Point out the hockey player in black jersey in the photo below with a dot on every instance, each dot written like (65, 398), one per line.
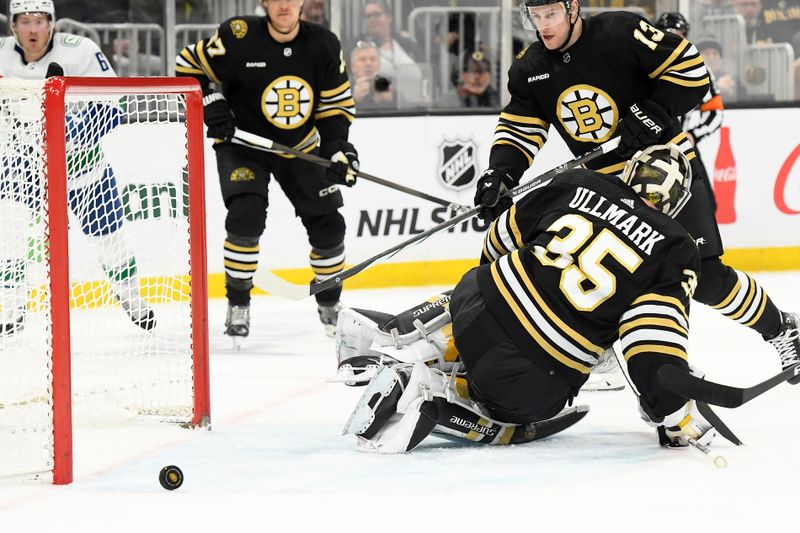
(566, 271)
(616, 74)
(284, 79)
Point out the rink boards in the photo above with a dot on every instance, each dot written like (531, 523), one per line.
(444, 155)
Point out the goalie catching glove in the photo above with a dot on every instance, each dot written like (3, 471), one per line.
(492, 194)
(218, 117)
(646, 124)
(344, 162)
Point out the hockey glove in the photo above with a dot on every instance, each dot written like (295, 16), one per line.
(492, 194)
(344, 162)
(218, 117)
(646, 124)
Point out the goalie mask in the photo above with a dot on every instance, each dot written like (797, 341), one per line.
(662, 175)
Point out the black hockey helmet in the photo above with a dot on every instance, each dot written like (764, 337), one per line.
(528, 23)
(662, 175)
(673, 21)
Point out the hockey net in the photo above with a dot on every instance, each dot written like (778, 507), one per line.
(102, 262)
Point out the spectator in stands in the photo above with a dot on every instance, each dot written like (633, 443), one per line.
(395, 49)
(400, 56)
(315, 11)
(750, 10)
(711, 50)
(370, 90)
(475, 87)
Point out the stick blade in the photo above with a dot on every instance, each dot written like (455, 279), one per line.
(265, 280)
(686, 385)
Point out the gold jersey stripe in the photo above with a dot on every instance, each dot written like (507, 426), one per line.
(570, 333)
(645, 321)
(523, 320)
(760, 311)
(330, 93)
(670, 60)
(650, 297)
(685, 83)
(656, 348)
(236, 248)
(517, 146)
(333, 112)
(512, 223)
(201, 56)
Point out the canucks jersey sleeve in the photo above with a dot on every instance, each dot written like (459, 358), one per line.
(654, 330)
(521, 130)
(673, 63)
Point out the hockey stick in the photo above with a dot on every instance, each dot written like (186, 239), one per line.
(266, 280)
(685, 384)
(251, 140)
(718, 460)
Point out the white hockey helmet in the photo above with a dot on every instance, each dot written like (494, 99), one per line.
(662, 175)
(18, 7)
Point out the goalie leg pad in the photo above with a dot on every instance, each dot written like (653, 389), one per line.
(396, 411)
(355, 331)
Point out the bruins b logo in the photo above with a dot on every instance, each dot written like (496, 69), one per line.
(288, 102)
(587, 113)
(242, 174)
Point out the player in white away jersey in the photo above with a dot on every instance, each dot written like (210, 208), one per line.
(93, 194)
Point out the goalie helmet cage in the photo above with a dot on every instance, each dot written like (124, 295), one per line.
(81, 335)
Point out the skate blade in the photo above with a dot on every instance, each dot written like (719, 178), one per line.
(364, 413)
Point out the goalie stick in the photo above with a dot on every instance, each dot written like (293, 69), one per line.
(679, 382)
(251, 140)
(264, 278)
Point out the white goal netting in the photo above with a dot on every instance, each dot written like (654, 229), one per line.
(129, 259)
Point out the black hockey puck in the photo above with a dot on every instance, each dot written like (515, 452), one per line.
(170, 477)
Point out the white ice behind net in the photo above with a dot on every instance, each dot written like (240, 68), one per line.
(129, 261)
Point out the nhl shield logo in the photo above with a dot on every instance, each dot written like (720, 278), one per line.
(458, 167)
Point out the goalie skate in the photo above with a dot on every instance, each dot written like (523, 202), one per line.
(606, 375)
(237, 324)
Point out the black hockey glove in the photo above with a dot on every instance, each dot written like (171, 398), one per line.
(493, 194)
(646, 124)
(218, 117)
(344, 162)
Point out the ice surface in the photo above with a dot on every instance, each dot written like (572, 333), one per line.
(275, 459)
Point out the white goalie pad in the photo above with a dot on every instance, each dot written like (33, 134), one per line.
(362, 347)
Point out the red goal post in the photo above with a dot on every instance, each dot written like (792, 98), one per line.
(155, 359)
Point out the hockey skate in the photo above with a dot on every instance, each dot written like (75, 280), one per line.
(328, 315)
(606, 374)
(787, 342)
(237, 324)
(138, 311)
